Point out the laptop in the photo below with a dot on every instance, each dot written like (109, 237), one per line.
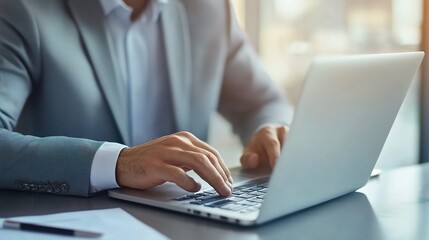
(346, 109)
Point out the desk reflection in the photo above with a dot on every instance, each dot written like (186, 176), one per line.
(347, 217)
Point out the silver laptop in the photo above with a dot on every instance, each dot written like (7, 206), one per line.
(346, 109)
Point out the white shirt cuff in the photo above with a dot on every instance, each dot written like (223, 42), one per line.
(103, 170)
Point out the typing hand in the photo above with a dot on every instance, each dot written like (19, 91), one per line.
(264, 147)
(167, 159)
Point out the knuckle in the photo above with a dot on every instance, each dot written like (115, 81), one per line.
(212, 158)
(185, 134)
(216, 153)
(283, 129)
(266, 130)
(174, 139)
(201, 159)
(273, 142)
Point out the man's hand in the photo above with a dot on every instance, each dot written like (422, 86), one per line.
(264, 147)
(167, 159)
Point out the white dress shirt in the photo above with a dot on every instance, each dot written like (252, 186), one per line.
(141, 56)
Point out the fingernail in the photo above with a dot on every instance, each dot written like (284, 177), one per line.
(197, 187)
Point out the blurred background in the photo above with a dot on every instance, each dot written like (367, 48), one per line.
(288, 34)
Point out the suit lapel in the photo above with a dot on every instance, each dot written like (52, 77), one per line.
(89, 18)
(177, 44)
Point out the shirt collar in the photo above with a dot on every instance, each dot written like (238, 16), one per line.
(154, 8)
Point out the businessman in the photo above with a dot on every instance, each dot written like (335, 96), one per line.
(99, 94)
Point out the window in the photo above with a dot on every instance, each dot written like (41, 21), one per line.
(288, 34)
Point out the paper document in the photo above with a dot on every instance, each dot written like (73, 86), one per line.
(113, 223)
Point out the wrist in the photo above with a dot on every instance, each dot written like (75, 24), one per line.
(120, 170)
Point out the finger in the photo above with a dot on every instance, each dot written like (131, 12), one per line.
(179, 177)
(186, 169)
(187, 145)
(249, 160)
(216, 158)
(216, 163)
(202, 166)
(271, 145)
(281, 134)
(205, 169)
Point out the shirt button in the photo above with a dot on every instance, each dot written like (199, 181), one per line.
(64, 187)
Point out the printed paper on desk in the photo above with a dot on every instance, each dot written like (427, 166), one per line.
(113, 223)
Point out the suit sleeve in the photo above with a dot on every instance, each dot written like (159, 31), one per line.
(249, 98)
(58, 165)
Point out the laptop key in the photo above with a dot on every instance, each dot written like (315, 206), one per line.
(219, 203)
(233, 207)
(246, 196)
(211, 191)
(256, 193)
(183, 198)
(256, 200)
(210, 196)
(189, 196)
(256, 188)
(237, 194)
(247, 203)
(264, 190)
(236, 199)
(246, 190)
(207, 199)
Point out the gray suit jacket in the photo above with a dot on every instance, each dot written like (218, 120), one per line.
(61, 96)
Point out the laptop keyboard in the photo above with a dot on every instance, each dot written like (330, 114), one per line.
(244, 198)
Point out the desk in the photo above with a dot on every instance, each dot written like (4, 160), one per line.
(392, 206)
